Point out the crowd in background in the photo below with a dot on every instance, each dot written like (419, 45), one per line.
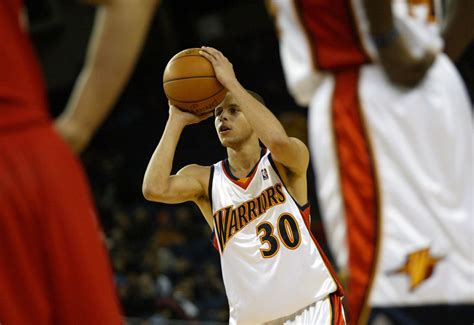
(165, 266)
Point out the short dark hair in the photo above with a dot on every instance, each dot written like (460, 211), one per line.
(256, 96)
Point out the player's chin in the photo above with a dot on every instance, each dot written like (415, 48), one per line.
(225, 140)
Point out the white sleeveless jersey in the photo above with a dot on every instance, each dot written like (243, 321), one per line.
(314, 40)
(270, 264)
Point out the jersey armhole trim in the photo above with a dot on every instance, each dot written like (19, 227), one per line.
(272, 163)
(214, 242)
(209, 186)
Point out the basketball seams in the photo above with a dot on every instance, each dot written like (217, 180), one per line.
(183, 56)
(195, 101)
(186, 78)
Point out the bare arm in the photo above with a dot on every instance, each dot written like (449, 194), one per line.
(189, 183)
(119, 31)
(398, 63)
(458, 31)
(290, 152)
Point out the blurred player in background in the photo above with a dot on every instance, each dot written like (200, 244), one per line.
(119, 32)
(54, 266)
(256, 202)
(391, 138)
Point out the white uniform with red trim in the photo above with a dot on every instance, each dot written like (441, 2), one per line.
(270, 264)
(304, 71)
(421, 141)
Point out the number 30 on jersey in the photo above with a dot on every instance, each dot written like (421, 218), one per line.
(288, 233)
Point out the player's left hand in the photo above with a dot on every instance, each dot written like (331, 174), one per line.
(222, 67)
(187, 118)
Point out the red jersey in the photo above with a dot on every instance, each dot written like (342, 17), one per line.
(331, 28)
(22, 90)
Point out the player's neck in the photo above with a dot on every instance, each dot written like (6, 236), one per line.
(243, 159)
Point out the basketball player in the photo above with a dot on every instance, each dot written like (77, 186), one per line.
(53, 265)
(391, 137)
(256, 203)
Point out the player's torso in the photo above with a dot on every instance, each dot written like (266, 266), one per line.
(271, 266)
(22, 97)
(318, 37)
(420, 142)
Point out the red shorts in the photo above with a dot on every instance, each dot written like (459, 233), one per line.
(53, 264)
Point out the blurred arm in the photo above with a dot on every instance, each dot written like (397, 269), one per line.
(458, 31)
(380, 16)
(397, 61)
(119, 31)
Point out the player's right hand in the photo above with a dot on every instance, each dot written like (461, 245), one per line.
(401, 66)
(185, 117)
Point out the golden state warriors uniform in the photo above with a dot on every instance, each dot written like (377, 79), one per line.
(394, 165)
(271, 265)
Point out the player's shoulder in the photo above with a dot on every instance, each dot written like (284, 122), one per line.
(200, 174)
(194, 170)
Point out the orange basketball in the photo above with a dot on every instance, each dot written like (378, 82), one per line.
(190, 83)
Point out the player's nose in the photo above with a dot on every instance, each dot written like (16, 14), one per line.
(223, 115)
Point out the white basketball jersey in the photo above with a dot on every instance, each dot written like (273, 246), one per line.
(271, 265)
(318, 36)
(421, 236)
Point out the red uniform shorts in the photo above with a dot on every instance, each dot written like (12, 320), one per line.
(53, 264)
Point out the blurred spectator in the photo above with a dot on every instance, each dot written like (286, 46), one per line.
(164, 265)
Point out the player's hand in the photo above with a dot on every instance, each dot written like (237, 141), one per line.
(187, 118)
(76, 136)
(222, 67)
(401, 66)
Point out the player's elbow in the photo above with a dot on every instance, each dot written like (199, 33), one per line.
(152, 192)
(147, 191)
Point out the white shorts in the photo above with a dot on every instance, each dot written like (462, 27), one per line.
(326, 311)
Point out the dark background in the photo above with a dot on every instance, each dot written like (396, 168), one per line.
(152, 244)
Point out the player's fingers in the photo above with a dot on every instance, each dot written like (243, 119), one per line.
(204, 50)
(207, 55)
(211, 50)
(206, 116)
(421, 68)
(427, 60)
(218, 53)
(214, 52)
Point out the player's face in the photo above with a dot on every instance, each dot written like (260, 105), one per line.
(231, 125)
